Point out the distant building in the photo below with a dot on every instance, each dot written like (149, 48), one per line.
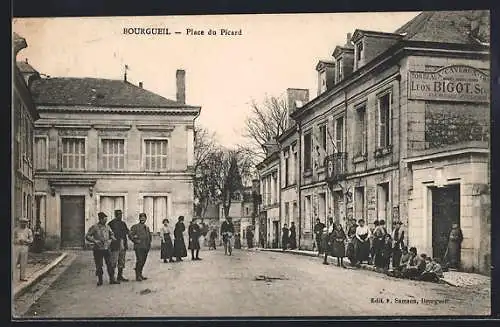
(107, 144)
(24, 115)
(400, 131)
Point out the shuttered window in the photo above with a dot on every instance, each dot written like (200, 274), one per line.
(41, 153)
(155, 208)
(73, 153)
(108, 205)
(155, 155)
(113, 154)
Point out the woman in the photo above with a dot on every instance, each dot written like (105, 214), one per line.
(351, 237)
(167, 248)
(194, 233)
(284, 237)
(362, 242)
(338, 247)
(293, 237)
(179, 245)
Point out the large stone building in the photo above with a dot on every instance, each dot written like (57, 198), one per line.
(24, 115)
(400, 131)
(106, 144)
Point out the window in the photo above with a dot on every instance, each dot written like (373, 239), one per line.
(295, 213)
(41, 158)
(322, 206)
(359, 202)
(286, 155)
(295, 165)
(73, 153)
(155, 155)
(155, 208)
(287, 213)
(339, 134)
(384, 120)
(307, 151)
(322, 136)
(113, 154)
(383, 202)
(308, 214)
(340, 70)
(359, 51)
(40, 209)
(360, 131)
(323, 82)
(108, 205)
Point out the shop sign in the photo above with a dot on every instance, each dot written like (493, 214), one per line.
(452, 83)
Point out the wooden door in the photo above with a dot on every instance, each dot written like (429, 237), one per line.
(72, 221)
(445, 212)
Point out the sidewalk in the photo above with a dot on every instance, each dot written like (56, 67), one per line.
(39, 264)
(453, 278)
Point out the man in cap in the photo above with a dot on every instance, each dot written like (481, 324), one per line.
(23, 237)
(100, 236)
(141, 236)
(119, 247)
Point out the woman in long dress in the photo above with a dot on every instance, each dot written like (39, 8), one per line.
(284, 237)
(167, 248)
(362, 244)
(179, 245)
(194, 233)
(338, 246)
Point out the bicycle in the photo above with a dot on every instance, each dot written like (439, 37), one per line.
(226, 237)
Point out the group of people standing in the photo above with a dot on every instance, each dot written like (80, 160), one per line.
(380, 247)
(289, 237)
(110, 244)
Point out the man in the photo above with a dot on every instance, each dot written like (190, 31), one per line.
(351, 236)
(141, 236)
(23, 237)
(285, 237)
(454, 246)
(194, 233)
(120, 246)
(318, 231)
(398, 237)
(212, 238)
(227, 232)
(250, 238)
(433, 271)
(100, 236)
(415, 266)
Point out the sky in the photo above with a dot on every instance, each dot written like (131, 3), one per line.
(224, 73)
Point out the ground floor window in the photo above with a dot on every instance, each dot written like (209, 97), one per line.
(383, 203)
(108, 205)
(155, 208)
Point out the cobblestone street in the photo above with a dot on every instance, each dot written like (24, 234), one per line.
(250, 284)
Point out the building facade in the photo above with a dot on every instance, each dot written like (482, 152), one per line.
(24, 115)
(406, 124)
(103, 145)
(269, 174)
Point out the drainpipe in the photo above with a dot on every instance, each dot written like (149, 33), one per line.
(345, 159)
(299, 181)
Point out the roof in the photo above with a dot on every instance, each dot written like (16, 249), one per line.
(447, 26)
(96, 92)
(25, 68)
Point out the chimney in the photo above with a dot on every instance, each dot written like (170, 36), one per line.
(181, 86)
(140, 85)
(348, 41)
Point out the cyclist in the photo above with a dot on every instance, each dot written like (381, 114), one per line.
(227, 231)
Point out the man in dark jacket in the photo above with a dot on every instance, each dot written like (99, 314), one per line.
(318, 232)
(141, 236)
(119, 247)
(194, 233)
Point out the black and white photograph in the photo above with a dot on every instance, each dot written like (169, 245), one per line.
(251, 165)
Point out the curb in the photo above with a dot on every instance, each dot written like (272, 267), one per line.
(363, 266)
(38, 275)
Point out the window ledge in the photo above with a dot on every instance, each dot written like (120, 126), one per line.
(359, 158)
(380, 152)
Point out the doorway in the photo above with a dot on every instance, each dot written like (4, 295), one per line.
(72, 221)
(276, 230)
(445, 212)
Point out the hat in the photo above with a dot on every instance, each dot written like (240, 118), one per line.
(23, 220)
(102, 215)
(399, 222)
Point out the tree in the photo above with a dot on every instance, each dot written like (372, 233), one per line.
(204, 147)
(265, 122)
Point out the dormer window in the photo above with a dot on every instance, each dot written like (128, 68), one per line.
(340, 70)
(359, 51)
(323, 82)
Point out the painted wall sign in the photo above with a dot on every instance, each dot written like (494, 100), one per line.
(452, 83)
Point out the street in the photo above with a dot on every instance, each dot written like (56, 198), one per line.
(248, 283)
